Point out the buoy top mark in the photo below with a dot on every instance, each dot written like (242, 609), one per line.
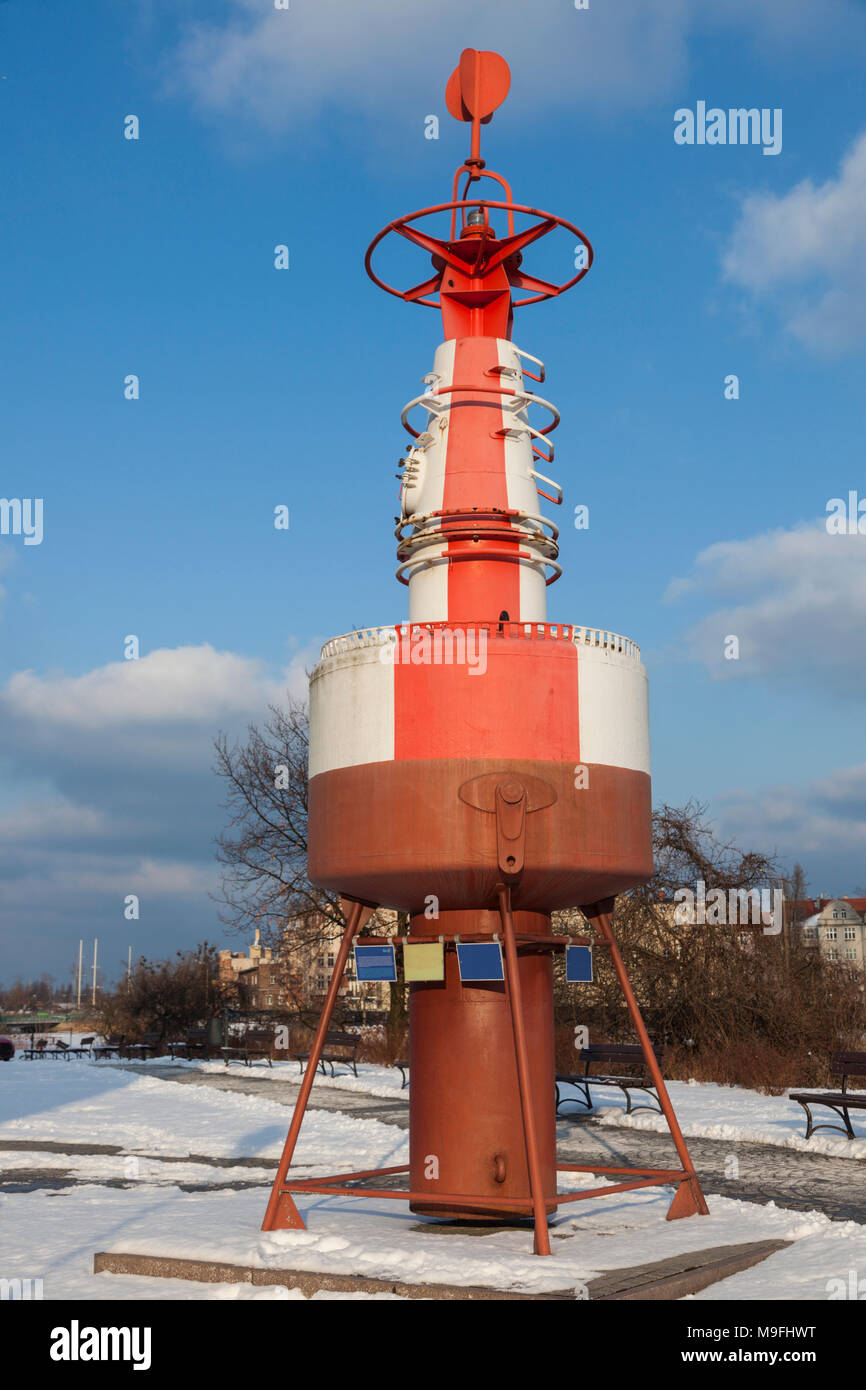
(478, 84)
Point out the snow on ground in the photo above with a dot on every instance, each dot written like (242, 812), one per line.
(707, 1111)
(704, 1110)
(54, 1237)
(827, 1262)
(85, 1102)
(53, 1234)
(383, 1082)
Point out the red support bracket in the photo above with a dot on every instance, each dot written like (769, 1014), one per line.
(281, 1211)
(689, 1199)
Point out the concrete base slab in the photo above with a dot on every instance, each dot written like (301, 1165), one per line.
(668, 1279)
(213, 1272)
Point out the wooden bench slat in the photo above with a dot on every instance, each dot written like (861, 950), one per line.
(856, 1099)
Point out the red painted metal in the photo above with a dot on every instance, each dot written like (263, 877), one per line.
(281, 1210)
(689, 1198)
(402, 850)
(473, 802)
(528, 1101)
(459, 1034)
(540, 943)
(464, 265)
(478, 84)
(443, 1205)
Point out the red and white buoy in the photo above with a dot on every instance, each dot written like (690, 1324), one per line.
(476, 765)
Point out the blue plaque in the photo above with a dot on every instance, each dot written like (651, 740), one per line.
(375, 963)
(480, 960)
(578, 965)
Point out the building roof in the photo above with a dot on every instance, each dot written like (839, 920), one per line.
(812, 906)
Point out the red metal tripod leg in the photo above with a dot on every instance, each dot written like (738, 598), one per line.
(688, 1200)
(281, 1212)
(542, 1235)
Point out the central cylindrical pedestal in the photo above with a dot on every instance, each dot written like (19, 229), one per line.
(465, 1119)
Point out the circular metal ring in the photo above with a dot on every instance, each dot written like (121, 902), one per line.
(443, 248)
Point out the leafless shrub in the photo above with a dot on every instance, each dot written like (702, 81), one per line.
(735, 1004)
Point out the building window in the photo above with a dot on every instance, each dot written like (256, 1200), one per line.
(850, 933)
(835, 914)
(831, 934)
(832, 954)
(850, 953)
(810, 933)
(331, 958)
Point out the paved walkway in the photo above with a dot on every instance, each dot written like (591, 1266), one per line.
(765, 1173)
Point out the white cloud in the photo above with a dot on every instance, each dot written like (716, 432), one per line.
(72, 880)
(822, 823)
(132, 741)
(59, 820)
(786, 595)
(167, 686)
(268, 64)
(386, 55)
(118, 796)
(147, 878)
(804, 251)
(844, 792)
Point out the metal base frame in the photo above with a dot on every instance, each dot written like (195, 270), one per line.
(688, 1200)
(841, 1111)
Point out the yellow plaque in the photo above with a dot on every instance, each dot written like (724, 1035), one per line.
(424, 961)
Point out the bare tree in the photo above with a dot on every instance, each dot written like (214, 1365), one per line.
(723, 988)
(263, 850)
(166, 997)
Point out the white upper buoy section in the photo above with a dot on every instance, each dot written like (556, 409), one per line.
(506, 481)
(352, 700)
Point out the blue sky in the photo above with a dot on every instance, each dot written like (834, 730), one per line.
(261, 387)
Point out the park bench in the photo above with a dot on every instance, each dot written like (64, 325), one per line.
(112, 1044)
(251, 1046)
(339, 1047)
(613, 1054)
(195, 1045)
(842, 1064)
(150, 1043)
(60, 1049)
(404, 1073)
(41, 1049)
